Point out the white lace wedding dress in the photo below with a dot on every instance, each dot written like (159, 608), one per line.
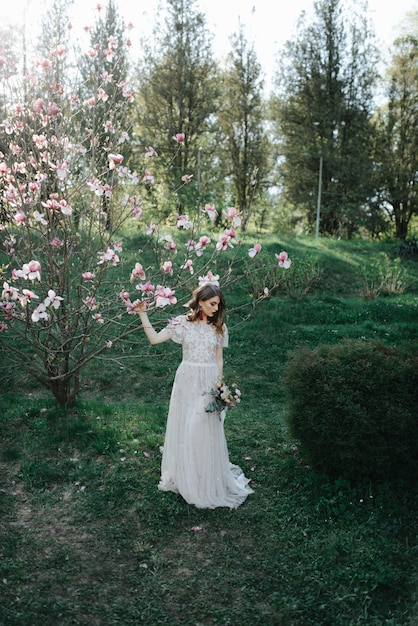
(195, 460)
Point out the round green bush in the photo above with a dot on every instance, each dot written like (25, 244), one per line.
(353, 408)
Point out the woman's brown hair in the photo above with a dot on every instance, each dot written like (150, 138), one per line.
(206, 292)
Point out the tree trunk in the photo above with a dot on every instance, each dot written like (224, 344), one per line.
(65, 391)
(402, 223)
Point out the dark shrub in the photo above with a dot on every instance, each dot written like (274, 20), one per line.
(353, 408)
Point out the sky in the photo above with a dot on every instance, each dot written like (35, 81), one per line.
(268, 28)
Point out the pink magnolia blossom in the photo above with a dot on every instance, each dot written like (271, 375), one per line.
(92, 53)
(8, 309)
(151, 229)
(66, 209)
(88, 275)
(109, 255)
(19, 218)
(234, 216)
(4, 169)
(169, 243)
(150, 152)
(45, 64)
(40, 141)
(19, 109)
(124, 295)
(34, 186)
(56, 242)
(39, 217)
(225, 241)
(188, 265)
(117, 246)
(114, 159)
(90, 303)
(137, 272)
(9, 292)
(209, 278)
(32, 270)
(283, 259)
(61, 169)
(38, 106)
(184, 222)
(26, 296)
(108, 78)
(211, 212)
(124, 137)
(20, 168)
(51, 204)
(53, 108)
(102, 95)
(137, 212)
(187, 178)
(200, 246)
(40, 313)
(148, 177)
(179, 137)
(60, 51)
(252, 252)
(16, 274)
(164, 296)
(127, 93)
(53, 300)
(146, 288)
(168, 267)
(98, 318)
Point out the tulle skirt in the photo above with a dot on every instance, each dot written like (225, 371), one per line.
(195, 460)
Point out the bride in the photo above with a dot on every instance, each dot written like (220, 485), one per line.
(195, 460)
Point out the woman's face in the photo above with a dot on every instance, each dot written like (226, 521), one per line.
(210, 307)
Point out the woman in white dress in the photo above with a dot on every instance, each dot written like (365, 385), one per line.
(195, 460)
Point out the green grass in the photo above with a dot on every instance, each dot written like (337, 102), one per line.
(86, 537)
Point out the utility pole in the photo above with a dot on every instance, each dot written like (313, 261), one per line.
(318, 203)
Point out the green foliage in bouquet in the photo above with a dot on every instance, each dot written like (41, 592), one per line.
(353, 408)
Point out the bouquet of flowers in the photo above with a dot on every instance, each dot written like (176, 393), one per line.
(224, 397)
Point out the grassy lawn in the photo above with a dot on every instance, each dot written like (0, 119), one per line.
(87, 539)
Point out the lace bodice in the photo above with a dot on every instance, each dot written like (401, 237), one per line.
(199, 340)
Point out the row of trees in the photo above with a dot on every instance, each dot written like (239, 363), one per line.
(325, 112)
(263, 155)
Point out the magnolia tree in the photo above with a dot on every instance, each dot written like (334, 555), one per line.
(66, 287)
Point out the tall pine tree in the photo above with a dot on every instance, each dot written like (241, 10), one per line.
(242, 122)
(178, 93)
(322, 108)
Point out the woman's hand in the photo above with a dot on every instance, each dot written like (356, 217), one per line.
(139, 307)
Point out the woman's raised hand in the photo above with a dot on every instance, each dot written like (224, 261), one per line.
(139, 307)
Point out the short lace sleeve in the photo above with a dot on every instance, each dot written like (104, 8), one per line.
(223, 340)
(176, 327)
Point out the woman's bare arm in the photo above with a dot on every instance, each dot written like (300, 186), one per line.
(153, 336)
